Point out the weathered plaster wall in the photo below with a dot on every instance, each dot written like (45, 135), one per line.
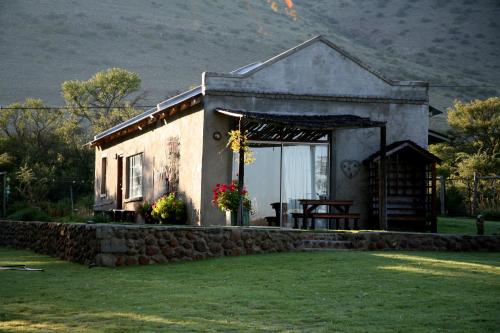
(314, 69)
(217, 162)
(404, 122)
(153, 144)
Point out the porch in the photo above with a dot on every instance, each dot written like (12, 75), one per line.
(295, 157)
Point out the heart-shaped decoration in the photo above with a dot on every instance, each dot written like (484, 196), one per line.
(350, 168)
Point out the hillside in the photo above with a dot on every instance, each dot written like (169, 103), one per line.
(170, 43)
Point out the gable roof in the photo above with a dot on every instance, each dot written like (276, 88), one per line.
(318, 39)
(194, 96)
(398, 146)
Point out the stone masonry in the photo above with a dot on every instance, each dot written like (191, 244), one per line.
(120, 245)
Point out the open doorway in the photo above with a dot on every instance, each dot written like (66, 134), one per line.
(303, 170)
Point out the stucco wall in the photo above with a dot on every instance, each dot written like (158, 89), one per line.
(404, 122)
(314, 68)
(153, 144)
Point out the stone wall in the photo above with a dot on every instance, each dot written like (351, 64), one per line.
(72, 242)
(131, 245)
(400, 241)
(119, 245)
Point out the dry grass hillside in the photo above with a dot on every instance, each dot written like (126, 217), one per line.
(169, 43)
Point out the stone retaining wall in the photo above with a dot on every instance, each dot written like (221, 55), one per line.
(118, 245)
(73, 242)
(400, 241)
(131, 245)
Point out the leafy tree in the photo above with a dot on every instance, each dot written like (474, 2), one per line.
(474, 148)
(475, 139)
(32, 146)
(104, 100)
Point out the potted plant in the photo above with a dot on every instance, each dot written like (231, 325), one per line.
(169, 209)
(227, 198)
(145, 210)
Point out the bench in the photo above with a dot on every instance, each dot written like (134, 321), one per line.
(330, 216)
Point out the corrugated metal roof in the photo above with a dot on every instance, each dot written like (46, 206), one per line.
(160, 107)
(168, 103)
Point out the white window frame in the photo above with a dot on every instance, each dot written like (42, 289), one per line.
(134, 166)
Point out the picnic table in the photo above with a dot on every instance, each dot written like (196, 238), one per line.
(337, 210)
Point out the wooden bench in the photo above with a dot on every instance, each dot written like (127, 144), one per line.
(330, 216)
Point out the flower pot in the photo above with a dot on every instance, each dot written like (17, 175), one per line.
(246, 217)
(173, 220)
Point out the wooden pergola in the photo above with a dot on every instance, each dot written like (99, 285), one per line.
(300, 128)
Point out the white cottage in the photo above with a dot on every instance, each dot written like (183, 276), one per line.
(313, 114)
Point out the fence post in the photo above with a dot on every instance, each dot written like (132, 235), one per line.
(480, 225)
(4, 194)
(474, 195)
(442, 194)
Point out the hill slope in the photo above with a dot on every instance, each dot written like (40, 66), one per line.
(170, 43)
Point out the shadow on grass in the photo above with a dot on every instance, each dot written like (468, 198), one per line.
(406, 291)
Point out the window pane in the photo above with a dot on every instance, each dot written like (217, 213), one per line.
(135, 176)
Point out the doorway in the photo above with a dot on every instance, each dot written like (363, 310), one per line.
(119, 183)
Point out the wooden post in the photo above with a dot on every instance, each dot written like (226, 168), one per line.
(442, 191)
(474, 195)
(382, 183)
(331, 166)
(4, 194)
(433, 199)
(241, 176)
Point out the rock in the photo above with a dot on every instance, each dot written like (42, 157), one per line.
(143, 260)
(104, 259)
(114, 245)
(168, 251)
(150, 240)
(200, 246)
(235, 235)
(120, 261)
(215, 247)
(152, 250)
(228, 244)
(131, 261)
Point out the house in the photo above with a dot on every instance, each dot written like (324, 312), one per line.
(312, 114)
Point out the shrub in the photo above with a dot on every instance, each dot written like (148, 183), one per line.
(455, 202)
(29, 214)
(170, 209)
(491, 214)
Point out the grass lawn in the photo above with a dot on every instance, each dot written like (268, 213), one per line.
(287, 292)
(466, 226)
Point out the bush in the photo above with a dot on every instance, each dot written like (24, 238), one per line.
(455, 202)
(169, 209)
(491, 214)
(30, 214)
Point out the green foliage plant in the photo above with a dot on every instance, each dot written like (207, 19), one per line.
(169, 207)
(236, 140)
(29, 214)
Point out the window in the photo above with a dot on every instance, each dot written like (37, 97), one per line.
(134, 176)
(104, 163)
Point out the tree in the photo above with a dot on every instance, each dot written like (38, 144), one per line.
(104, 100)
(31, 146)
(475, 139)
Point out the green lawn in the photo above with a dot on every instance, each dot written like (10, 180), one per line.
(288, 292)
(466, 226)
